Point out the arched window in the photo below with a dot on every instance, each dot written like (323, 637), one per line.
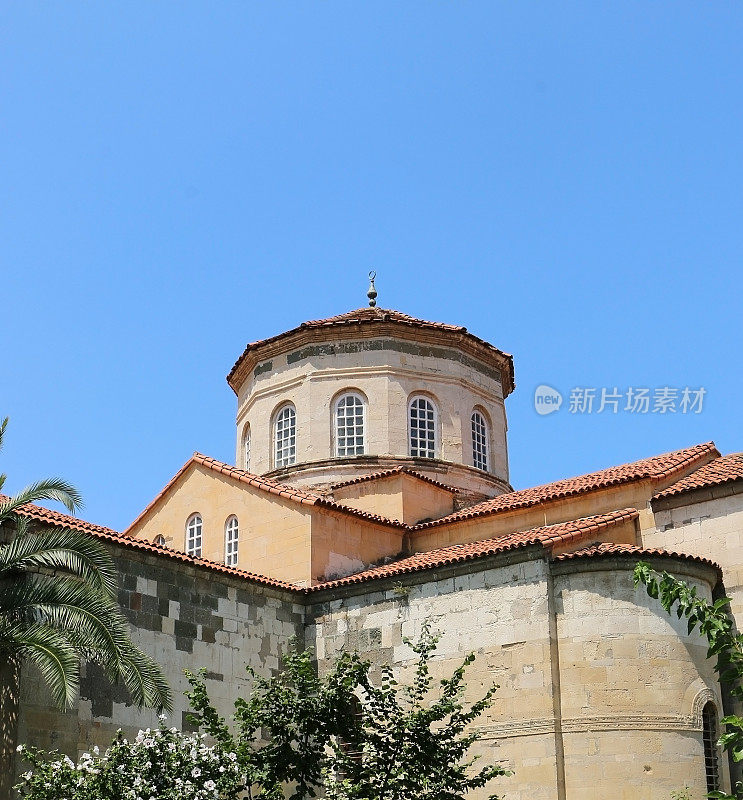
(349, 426)
(709, 736)
(479, 441)
(246, 448)
(159, 540)
(422, 418)
(194, 529)
(231, 537)
(285, 437)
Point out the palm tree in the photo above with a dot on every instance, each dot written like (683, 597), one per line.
(57, 605)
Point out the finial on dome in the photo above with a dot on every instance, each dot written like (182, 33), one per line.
(372, 293)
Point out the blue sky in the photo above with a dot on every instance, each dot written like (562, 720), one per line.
(178, 179)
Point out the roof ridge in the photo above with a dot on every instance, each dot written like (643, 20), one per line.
(651, 468)
(389, 472)
(719, 471)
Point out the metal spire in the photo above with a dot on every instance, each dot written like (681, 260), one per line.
(372, 293)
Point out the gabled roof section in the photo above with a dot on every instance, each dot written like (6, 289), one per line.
(389, 473)
(267, 485)
(366, 318)
(548, 537)
(656, 468)
(726, 469)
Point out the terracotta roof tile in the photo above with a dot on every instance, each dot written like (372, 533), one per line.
(45, 515)
(267, 485)
(655, 468)
(387, 473)
(607, 549)
(370, 316)
(725, 469)
(548, 536)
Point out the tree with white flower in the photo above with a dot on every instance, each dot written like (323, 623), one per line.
(159, 764)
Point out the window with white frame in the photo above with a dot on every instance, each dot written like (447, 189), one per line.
(349, 425)
(231, 538)
(479, 440)
(422, 426)
(246, 448)
(194, 530)
(285, 437)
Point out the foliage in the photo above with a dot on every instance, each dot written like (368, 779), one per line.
(295, 714)
(409, 743)
(296, 732)
(161, 763)
(716, 625)
(58, 603)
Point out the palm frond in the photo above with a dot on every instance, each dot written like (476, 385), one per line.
(3, 426)
(49, 489)
(145, 680)
(93, 624)
(76, 553)
(52, 654)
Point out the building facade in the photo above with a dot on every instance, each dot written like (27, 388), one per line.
(370, 492)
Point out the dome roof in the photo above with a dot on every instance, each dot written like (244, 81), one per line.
(367, 322)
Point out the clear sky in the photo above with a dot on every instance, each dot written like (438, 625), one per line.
(177, 179)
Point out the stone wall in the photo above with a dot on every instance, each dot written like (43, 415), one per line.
(600, 689)
(185, 617)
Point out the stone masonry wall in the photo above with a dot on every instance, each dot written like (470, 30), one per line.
(185, 617)
(500, 613)
(600, 690)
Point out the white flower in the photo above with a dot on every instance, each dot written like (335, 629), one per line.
(210, 785)
(195, 772)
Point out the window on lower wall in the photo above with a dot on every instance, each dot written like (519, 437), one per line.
(231, 538)
(709, 736)
(194, 530)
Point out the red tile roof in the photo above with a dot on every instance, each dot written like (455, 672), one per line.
(548, 537)
(58, 519)
(608, 549)
(388, 473)
(268, 485)
(725, 469)
(370, 316)
(656, 469)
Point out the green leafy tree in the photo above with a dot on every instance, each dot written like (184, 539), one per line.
(725, 645)
(412, 740)
(58, 604)
(297, 732)
(286, 724)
